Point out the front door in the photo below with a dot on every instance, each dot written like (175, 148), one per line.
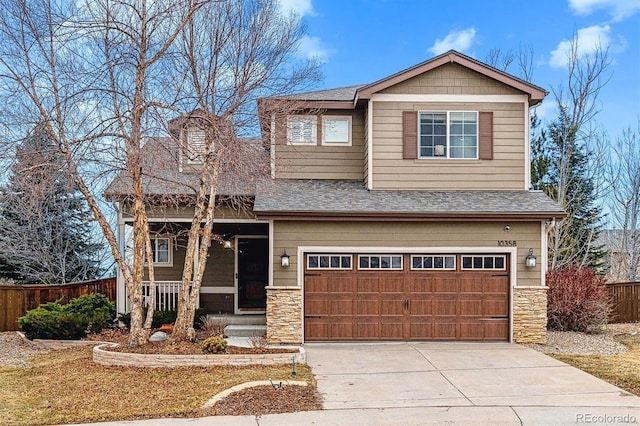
(253, 273)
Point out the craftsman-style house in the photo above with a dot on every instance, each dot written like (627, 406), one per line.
(396, 210)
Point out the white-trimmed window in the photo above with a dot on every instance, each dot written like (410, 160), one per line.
(302, 129)
(195, 146)
(162, 251)
(380, 262)
(336, 130)
(329, 261)
(438, 262)
(448, 134)
(486, 262)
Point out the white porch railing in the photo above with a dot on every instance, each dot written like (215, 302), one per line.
(167, 293)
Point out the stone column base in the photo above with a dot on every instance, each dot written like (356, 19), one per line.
(530, 314)
(284, 315)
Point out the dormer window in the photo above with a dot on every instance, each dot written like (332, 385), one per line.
(302, 129)
(195, 145)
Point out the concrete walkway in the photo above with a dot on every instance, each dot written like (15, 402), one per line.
(445, 383)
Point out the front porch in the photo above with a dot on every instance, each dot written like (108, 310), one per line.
(235, 277)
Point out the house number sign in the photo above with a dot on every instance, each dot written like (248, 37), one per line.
(507, 243)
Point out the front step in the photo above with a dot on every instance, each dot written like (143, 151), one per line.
(238, 330)
(242, 319)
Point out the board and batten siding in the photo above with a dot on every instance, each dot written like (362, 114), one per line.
(289, 235)
(318, 161)
(506, 171)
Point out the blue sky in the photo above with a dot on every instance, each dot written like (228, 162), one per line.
(361, 41)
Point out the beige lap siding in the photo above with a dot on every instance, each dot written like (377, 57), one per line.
(506, 171)
(318, 161)
(291, 234)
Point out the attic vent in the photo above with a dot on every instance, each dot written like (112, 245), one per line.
(195, 146)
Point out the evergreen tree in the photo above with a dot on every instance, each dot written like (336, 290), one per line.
(560, 168)
(45, 226)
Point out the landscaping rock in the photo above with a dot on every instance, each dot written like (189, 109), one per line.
(158, 336)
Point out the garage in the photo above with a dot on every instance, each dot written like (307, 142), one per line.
(411, 296)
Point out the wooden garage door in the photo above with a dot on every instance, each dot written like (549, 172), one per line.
(406, 304)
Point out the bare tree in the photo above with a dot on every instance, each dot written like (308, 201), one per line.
(623, 175)
(573, 177)
(102, 75)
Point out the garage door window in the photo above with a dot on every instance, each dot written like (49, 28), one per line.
(484, 262)
(380, 262)
(328, 261)
(433, 262)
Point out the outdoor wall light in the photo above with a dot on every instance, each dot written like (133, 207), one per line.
(227, 245)
(530, 260)
(284, 259)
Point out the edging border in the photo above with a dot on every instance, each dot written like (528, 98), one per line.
(225, 393)
(127, 359)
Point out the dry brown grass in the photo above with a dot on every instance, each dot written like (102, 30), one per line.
(67, 387)
(622, 370)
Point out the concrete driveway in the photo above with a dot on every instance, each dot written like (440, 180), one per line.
(466, 383)
(443, 383)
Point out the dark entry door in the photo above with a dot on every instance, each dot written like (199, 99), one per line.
(253, 273)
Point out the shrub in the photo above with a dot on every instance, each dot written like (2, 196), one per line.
(214, 345)
(578, 300)
(214, 326)
(86, 314)
(160, 317)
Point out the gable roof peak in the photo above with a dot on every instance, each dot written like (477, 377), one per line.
(535, 93)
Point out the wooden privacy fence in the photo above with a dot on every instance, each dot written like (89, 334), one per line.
(626, 301)
(16, 300)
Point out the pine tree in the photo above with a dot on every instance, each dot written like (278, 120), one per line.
(46, 232)
(560, 167)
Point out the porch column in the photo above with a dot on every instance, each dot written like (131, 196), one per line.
(121, 294)
(284, 314)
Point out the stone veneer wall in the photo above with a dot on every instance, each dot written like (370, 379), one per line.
(284, 314)
(530, 314)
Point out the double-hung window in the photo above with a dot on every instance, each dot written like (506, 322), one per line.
(448, 134)
(161, 248)
(302, 129)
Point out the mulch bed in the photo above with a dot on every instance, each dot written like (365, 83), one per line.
(260, 400)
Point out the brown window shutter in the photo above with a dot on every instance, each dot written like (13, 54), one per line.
(409, 134)
(485, 135)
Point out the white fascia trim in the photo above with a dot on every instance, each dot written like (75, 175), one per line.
(217, 290)
(272, 142)
(388, 97)
(370, 145)
(527, 146)
(184, 219)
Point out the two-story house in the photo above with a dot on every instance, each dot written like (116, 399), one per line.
(396, 210)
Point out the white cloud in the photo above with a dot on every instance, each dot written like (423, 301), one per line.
(311, 47)
(587, 41)
(547, 110)
(299, 7)
(618, 9)
(456, 40)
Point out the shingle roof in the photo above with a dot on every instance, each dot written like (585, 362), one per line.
(162, 175)
(347, 93)
(352, 197)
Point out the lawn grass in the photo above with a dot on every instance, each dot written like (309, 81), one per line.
(622, 370)
(65, 386)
